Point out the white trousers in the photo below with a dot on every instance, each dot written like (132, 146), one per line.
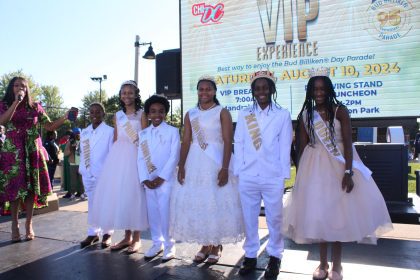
(158, 213)
(90, 184)
(252, 190)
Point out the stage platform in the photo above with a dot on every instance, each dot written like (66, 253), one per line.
(55, 254)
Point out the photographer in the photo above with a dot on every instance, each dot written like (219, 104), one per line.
(72, 182)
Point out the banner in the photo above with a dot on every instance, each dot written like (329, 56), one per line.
(372, 49)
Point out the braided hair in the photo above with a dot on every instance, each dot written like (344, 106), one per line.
(309, 106)
(273, 93)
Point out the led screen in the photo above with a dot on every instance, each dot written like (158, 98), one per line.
(371, 48)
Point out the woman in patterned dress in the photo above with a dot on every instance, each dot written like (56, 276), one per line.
(23, 169)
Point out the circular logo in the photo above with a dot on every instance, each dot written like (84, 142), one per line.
(389, 19)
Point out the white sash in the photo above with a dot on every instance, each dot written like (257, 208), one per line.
(125, 123)
(144, 147)
(254, 130)
(199, 133)
(323, 134)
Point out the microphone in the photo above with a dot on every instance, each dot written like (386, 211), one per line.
(20, 96)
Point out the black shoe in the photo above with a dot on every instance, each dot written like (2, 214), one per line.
(78, 194)
(91, 239)
(106, 241)
(67, 195)
(273, 268)
(248, 266)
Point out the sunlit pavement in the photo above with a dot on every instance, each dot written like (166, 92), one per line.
(55, 254)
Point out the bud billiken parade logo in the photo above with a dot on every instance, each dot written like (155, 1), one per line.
(389, 19)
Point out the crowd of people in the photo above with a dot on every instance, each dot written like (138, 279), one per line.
(139, 174)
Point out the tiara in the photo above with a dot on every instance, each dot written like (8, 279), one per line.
(321, 71)
(207, 78)
(263, 74)
(129, 82)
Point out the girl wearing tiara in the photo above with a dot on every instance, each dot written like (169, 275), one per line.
(205, 206)
(334, 199)
(119, 200)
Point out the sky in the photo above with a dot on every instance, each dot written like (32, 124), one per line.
(64, 43)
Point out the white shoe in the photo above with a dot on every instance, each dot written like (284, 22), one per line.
(154, 251)
(168, 254)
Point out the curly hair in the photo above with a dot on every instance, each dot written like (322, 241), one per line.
(137, 100)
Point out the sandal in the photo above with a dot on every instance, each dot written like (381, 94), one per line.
(120, 245)
(213, 259)
(30, 235)
(320, 273)
(334, 275)
(15, 233)
(134, 247)
(202, 255)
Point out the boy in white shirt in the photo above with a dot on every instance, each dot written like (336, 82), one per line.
(157, 159)
(95, 142)
(263, 138)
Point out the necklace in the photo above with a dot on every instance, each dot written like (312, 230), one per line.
(211, 107)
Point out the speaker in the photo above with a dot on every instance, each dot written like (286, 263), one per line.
(168, 73)
(389, 166)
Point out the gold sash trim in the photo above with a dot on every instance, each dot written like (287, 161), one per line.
(148, 159)
(199, 133)
(254, 130)
(323, 133)
(324, 136)
(86, 152)
(125, 123)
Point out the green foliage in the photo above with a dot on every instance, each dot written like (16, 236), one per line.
(412, 176)
(33, 87)
(176, 117)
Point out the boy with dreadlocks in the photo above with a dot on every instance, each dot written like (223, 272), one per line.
(330, 201)
(263, 139)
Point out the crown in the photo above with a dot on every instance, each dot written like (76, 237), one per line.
(263, 74)
(129, 82)
(321, 71)
(207, 78)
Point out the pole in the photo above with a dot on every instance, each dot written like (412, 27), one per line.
(100, 90)
(136, 58)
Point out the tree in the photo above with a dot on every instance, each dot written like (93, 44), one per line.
(52, 101)
(92, 97)
(6, 78)
(175, 120)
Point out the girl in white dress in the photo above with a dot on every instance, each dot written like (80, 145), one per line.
(334, 198)
(205, 205)
(119, 200)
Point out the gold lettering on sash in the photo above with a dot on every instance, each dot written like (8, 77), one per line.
(131, 133)
(199, 133)
(146, 153)
(86, 152)
(254, 130)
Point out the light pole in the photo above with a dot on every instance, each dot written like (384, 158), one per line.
(150, 54)
(99, 79)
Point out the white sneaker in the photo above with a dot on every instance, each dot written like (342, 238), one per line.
(168, 254)
(153, 251)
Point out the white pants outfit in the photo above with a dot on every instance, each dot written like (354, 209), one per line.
(251, 190)
(158, 201)
(90, 184)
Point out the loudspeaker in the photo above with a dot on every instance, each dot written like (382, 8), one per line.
(168, 73)
(389, 166)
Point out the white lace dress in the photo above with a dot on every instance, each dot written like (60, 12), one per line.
(201, 211)
(120, 199)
